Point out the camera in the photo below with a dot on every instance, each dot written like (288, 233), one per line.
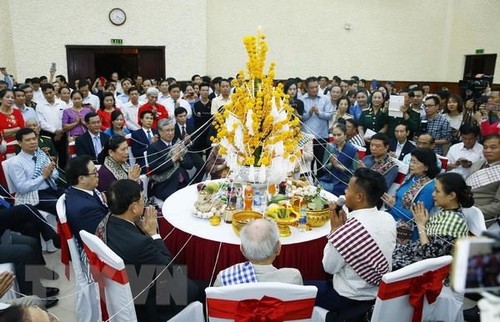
(473, 87)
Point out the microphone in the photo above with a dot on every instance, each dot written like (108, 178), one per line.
(340, 203)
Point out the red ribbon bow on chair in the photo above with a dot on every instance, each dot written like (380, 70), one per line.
(428, 285)
(100, 270)
(64, 235)
(267, 309)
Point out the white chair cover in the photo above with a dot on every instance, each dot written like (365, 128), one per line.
(87, 308)
(13, 292)
(475, 220)
(402, 172)
(119, 300)
(447, 307)
(50, 218)
(282, 291)
(192, 313)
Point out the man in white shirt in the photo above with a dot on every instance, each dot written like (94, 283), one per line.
(123, 98)
(462, 155)
(175, 101)
(37, 91)
(223, 98)
(19, 103)
(88, 98)
(49, 115)
(164, 94)
(131, 108)
(360, 245)
(146, 84)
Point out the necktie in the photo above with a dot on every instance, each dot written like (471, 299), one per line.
(183, 131)
(150, 137)
(175, 103)
(97, 146)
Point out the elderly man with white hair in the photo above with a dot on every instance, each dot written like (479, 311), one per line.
(260, 244)
(159, 111)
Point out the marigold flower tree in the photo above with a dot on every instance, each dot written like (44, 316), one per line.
(257, 127)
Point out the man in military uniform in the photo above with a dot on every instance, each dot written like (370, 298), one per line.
(44, 142)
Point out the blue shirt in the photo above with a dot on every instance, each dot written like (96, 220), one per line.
(29, 113)
(316, 124)
(21, 173)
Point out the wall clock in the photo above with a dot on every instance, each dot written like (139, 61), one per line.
(117, 16)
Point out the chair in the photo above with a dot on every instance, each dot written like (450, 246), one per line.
(11, 149)
(86, 298)
(192, 313)
(475, 220)
(297, 301)
(361, 151)
(72, 149)
(392, 303)
(402, 172)
(108, 269)
(50, 218)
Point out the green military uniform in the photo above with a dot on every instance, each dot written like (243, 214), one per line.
(45, 143)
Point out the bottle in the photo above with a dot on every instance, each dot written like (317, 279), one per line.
(257, 201)
(302, 224)
(282, 188)
(248, 197)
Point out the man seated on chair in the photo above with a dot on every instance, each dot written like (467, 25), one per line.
(85, 206)
(168, 162)
(485, 180)
(357, 271)
(92, 141)
(380, 160)
(400, 146)
(260, 244)
(131, 231)
(143, 137)
(33, 174)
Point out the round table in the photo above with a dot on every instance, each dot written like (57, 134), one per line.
(207, 249)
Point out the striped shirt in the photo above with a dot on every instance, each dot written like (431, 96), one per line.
(448, 223)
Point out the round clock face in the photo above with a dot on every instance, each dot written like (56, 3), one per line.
(117, 16)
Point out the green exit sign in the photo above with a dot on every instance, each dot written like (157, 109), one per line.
(116, 41)
(479, 51)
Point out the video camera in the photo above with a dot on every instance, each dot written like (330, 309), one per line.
(473, 88)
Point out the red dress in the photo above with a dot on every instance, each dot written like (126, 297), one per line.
(105, 118)
(9, 121)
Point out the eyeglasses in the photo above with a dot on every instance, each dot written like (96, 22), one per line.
(93, 173)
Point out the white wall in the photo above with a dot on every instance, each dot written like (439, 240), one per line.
(44, 28)
(391, 39)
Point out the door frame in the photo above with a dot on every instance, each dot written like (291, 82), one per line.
(92, 50)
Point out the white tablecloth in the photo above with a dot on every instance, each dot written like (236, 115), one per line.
(177, 210)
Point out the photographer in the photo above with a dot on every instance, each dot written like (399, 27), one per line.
(488, 116)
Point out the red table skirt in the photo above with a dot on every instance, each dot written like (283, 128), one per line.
(200, 255)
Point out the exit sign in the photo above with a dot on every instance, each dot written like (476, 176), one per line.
(116, 41)
(479, 51)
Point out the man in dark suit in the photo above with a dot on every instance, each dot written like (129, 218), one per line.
(143, 137)
(132, 233)
(91, 142)
(183, 131)
(400, 146)
(168, 162)
(85, 206)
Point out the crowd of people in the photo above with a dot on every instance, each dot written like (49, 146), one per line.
(351, 144)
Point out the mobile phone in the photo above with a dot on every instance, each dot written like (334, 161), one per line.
(475, 265)
(53, 67)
